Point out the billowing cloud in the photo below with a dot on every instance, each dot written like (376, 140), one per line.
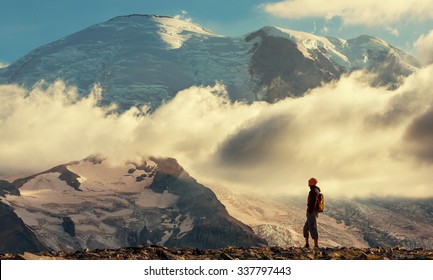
(52, 126)
(356, 139)
(364, 12)
(424, 48)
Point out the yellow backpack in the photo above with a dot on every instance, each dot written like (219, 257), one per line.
(321, 203)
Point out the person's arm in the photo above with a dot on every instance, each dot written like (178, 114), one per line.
(311, 201)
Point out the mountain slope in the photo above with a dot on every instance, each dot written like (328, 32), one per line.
(357, 223)
(280, 221)
(156, 202)
(389, 222)
(143, 59)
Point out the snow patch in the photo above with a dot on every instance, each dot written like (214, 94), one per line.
(103, 177)
(307, 41)
(48, 188)
(186, 225)
(150, 199)
(175, 32)
(166, 236)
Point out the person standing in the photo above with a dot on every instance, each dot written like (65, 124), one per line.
(310, 227)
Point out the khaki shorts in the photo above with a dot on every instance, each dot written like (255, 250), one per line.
(310, 226)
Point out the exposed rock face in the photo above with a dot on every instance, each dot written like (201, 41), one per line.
(213, 226)
(8, 188)
(15, 236)
(69, 226)
(283, 70)
(289, 63)
(235, 253)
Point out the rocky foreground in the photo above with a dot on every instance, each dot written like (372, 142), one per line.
(232, 253)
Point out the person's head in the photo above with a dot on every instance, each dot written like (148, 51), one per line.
(312, 182)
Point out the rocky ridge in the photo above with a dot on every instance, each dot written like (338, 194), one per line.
(231, 253)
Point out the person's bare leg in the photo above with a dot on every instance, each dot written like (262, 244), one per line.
(316, 243)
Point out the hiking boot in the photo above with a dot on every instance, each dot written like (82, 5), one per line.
(307, 246)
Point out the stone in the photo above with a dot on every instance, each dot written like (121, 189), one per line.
(226, 256)
(155, 252)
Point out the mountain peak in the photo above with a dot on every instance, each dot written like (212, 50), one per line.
(141, 16)
(289, 33)
(171, 30)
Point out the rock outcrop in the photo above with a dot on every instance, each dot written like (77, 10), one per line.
(19, 237)
(214, 228)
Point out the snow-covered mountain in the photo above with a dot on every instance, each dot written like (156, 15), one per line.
(145, 59)
(92, 204)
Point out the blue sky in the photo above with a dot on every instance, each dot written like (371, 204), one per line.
(28, 24)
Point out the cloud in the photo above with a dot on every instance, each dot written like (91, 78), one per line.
(3, 65)
(420, 136)
(424, 48)
(356, 12)
(183, 15)
(325, 30)
(393, 31)
(356, 139)
(52, 126)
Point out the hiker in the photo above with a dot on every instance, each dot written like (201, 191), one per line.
(310, 226)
